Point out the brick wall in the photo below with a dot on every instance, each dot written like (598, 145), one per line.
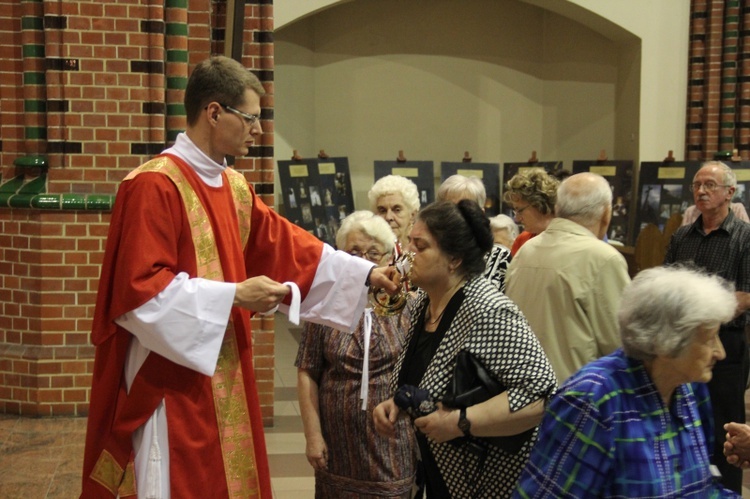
(49, 265)
(89, 91)
(718, 111)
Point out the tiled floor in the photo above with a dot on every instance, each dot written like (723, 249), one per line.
(41, 458)
(291, 474)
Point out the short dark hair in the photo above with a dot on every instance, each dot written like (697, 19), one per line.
(219, 79)
(461, 231)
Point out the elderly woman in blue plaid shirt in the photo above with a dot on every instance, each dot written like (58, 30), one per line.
(637, 423)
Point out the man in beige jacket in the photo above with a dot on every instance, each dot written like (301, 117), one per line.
(567, 281)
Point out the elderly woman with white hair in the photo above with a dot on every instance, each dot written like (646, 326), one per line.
(504, 230)
(458, 187)
(637, 422)
(342, 375)
(395, 199)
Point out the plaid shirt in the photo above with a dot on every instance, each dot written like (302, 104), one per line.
(608, 434)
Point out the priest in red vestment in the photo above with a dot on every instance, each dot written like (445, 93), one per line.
(191, 252)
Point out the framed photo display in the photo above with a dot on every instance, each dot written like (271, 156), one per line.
(317, 194)
(488, 173)
(619, 174)
(663, 190)
(419, 172)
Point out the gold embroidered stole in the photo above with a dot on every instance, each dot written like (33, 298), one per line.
(108, 472)
(230, 401)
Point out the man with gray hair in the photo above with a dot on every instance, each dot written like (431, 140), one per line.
(568, 282)
(720, 243)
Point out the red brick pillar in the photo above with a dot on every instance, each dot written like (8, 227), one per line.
(100, 73)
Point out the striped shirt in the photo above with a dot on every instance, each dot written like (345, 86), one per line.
(608, 434)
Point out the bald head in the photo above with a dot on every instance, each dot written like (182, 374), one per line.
(585, 198)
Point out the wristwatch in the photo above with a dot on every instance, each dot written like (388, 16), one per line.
(464, 424)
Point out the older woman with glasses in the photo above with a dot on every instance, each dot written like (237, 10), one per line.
(342, 375)
(637, 422)
(532, 194)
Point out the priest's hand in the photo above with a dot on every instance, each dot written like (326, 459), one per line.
(386, 278)
(259, 294)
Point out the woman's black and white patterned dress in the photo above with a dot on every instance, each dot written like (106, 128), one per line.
(490, 326)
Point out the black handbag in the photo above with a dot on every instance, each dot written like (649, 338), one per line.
(473, 384)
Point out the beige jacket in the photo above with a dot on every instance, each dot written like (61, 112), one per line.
(568, 284)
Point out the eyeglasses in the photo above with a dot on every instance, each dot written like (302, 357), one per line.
(520, 210)
(250, 119)
(372, 255)
(707, 186)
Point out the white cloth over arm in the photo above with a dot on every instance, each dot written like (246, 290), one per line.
(338, 295)
(185, 322)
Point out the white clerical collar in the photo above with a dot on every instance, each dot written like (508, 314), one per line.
(207, 169)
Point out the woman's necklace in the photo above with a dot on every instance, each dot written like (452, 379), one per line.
(451, 292)
(433, 322)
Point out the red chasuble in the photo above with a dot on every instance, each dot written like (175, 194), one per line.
(165, 221)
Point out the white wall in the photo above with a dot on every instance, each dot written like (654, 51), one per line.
(499, 78)
(663, 27)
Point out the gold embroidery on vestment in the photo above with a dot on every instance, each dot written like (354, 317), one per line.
(108, 472)
(230, 401)
(243, 201)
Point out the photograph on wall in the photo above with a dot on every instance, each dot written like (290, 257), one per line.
(663, 190)
(740, 195)
(742, 172)
(510, 169)
(488, 173)
(671, 200)
(419, 172)
(619, 175)
(317, 194)
(649, 204)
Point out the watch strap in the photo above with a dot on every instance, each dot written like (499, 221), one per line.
(463, 423)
